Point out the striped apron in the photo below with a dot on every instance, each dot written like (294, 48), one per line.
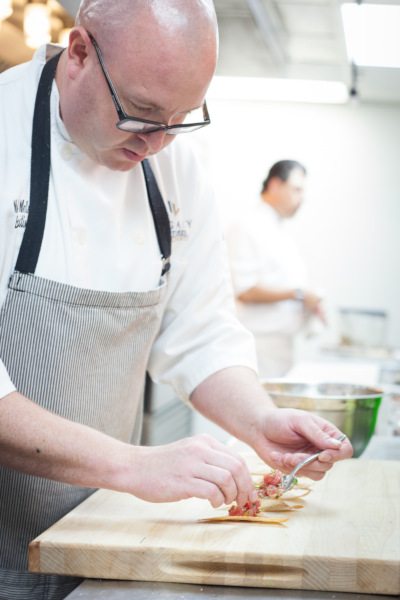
(79, 353)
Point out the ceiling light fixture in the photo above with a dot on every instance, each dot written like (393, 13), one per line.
(36, 24)
(353, 93)
(63, 36)
(5, 9)
(278, 90)
(372, 34)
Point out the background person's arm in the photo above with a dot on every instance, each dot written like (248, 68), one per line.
(259, 295)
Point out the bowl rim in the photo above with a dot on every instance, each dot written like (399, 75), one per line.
(373, 392)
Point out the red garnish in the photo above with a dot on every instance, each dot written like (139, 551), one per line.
(250, 509)
(272, 485)
(273, 478)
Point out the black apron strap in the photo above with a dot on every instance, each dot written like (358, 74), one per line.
(40, 172)
(160, 215)
(40, 175)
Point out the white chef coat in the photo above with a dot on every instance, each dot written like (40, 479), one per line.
(100, 235)
(262, 253)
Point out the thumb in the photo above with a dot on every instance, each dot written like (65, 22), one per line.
(323, 435)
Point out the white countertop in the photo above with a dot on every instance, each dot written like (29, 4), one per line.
(364, 373)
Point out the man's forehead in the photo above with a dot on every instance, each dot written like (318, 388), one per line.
(154, 86)
(297, 177)
(135, 101)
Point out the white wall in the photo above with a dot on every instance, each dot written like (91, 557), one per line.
(348, 229)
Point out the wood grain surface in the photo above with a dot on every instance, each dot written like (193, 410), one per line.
(346, 538)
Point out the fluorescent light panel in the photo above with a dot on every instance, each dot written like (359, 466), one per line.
(36, 24)
(372, 33)
(5, 9)
(278, 90)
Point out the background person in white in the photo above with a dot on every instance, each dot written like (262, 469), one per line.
(269, 275)
(100, 242)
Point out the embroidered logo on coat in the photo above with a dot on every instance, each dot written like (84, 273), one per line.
(21, 209)
(179, 226)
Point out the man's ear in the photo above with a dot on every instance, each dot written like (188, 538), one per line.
(78, 51)
(274, 184)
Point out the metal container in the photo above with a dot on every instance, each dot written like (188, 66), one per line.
(352, 408)
(361, 327)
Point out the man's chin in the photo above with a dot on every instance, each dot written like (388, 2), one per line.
(124, 166)
(117, 163)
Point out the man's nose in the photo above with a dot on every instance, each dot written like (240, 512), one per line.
(154, 140)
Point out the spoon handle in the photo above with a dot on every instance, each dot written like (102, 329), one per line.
(304, 463)
(311, 458)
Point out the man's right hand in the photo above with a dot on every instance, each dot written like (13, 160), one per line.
(38, 442)
(198, 466)
(313, 302)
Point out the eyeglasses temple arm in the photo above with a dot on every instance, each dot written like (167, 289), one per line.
(117, 101)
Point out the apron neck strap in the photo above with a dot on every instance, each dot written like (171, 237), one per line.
(40, 176)
(160, 215)
(40, 172)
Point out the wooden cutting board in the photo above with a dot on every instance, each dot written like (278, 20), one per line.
(346, 538)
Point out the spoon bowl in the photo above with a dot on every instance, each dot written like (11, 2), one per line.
(288, 480)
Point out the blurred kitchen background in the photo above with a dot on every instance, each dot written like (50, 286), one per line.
(291, 84)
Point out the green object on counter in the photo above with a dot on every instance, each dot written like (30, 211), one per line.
(352, 408)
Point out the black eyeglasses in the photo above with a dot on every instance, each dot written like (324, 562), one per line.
(136, 125)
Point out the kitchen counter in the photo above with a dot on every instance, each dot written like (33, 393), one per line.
(143, 590)
(383, 447)
(380, 447)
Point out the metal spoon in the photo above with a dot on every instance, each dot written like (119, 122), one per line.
(288, 480)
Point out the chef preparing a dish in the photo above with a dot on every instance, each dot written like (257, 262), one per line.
(112, 263)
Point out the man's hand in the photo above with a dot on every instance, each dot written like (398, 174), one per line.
(314, 303)
(289, 436)
(234, 399)
(35, 441)
(198, 466)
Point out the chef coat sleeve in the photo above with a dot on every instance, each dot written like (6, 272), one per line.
(200, 333)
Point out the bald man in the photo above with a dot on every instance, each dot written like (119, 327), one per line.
(112, 264)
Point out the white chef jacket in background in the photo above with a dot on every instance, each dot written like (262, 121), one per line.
(100, 235)
(262, 253)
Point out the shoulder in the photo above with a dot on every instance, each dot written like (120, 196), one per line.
(18, 87)
(21, 81)
(25, 73)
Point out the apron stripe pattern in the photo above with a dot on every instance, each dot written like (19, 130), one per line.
(79, 353)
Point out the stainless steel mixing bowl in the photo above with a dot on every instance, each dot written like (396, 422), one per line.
(352, 408)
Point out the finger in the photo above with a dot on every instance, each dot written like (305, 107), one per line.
(216, 445)
(222, 479)
(322, 435)
(315, 475)
(314, 470)
(345, 450)
(240, 476)
(292, 460)
(237, 473)
(205, 490)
